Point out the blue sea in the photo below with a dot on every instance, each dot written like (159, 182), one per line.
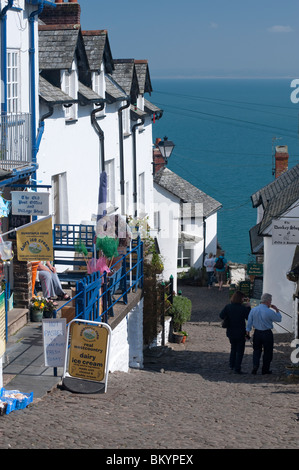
(224, 131)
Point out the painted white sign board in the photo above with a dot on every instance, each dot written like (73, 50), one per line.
(285, 232)
(29, 203)
(54, 339)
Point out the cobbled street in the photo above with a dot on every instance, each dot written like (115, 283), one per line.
(186, 397)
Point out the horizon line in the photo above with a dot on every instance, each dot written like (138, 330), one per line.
(215, 77)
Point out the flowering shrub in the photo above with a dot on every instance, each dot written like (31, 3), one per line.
(38, 303)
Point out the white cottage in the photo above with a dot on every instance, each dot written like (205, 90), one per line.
(276, 204)
(187, 223)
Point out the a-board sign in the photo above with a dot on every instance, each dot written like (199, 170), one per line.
(244, 287)
(88, 350)
(54, 340)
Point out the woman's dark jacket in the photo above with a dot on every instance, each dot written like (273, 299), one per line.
(237, 315)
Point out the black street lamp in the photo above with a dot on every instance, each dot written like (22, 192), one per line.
(166, 147)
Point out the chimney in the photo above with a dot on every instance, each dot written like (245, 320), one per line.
(281, 160)
(158, 160)
(64, 13)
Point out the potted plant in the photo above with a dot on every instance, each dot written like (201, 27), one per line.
(48, 308)
(181, 313)
(37, 308)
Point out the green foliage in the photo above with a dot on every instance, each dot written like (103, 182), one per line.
(81, 248)
(180, 311)
(108, 246)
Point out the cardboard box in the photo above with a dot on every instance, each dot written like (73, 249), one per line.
(69, 313)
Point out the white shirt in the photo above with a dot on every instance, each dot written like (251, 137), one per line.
(209, 264)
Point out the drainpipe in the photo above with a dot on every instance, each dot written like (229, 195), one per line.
(135, 166)
(41, 128)
(204, 240)
(121, 155)
(33, 82)
(3, 19)
(100, 133)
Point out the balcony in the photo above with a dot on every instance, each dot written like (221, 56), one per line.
(15, 140)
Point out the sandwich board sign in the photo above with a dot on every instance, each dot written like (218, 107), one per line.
(54, 340)
(86, 362)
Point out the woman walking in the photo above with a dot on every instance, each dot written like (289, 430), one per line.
(236, 314)
(209, 265)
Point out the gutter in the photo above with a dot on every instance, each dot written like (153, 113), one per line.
(135, 166)
(121, 155)
(100, 133)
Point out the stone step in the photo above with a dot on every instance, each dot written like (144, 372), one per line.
(16, 319)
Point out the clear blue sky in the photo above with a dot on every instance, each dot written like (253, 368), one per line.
(193, 38)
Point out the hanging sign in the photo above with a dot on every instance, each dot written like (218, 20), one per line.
(30, 203)
(35, 241)
(88, 351)
(54, 340)
(285, 232)
(254, 269)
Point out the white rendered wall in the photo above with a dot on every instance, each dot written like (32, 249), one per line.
(278, 261)
(169, 207)
(127, 342)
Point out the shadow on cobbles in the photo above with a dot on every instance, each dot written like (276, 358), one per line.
(210, 366)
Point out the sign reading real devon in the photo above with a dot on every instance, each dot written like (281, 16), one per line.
(88, 349)
(285, 232)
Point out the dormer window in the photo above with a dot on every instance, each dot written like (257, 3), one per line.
(98, 86)
(126, 119)
(69, 84)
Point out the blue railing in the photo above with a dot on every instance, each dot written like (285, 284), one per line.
(97, 293)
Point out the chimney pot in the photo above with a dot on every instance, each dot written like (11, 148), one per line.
(281, 160)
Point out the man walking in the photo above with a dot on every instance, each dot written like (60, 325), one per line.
(220, 269)
(261, 319)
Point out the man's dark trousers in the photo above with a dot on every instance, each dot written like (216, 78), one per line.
(262, 340)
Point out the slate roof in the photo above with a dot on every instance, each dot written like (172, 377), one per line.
(278, 196)
(151, 108)
(256, 241)
(88, 94)
(57, 47)
(98, 50)
(113, 90)
(143, 77)
(186, 192)
(53, 94)
(125, 74)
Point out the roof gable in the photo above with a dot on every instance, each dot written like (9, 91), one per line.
(186, 191)
(59, 45)
(125, 75)
(98, 50)
(143, 76)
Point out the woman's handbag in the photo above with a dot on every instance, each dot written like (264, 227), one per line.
(225, 323)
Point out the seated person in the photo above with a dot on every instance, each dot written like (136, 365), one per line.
(50, 282)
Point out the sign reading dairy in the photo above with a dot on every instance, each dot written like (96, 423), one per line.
(88, 349)
(30, 203)
(35, 241)
(285, 232)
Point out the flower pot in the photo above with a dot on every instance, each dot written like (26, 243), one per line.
(36, 315)
(177, 337)
(48, 314)
(292, 371)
